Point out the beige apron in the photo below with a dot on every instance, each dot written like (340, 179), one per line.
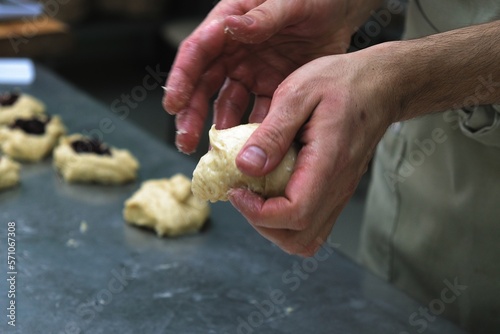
(432, 221)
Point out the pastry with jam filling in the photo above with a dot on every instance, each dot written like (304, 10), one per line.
(31, 139)
(9, 173)
(15, 105)
(80, 159)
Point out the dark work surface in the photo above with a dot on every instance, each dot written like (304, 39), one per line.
(115, 278)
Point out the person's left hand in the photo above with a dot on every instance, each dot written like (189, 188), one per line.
(338, 108)
(247, 48)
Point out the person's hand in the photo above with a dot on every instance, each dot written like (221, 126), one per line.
(337, 108)
(249, 47)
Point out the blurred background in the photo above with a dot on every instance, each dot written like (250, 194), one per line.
(107, 47)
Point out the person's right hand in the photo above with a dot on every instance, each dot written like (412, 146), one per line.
(337, 108)
(249, 47)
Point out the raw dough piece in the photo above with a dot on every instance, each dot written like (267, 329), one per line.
(31, 139)
(24, 106)
(9, 173)
(167, 206)
(216, 172)
(109, 165)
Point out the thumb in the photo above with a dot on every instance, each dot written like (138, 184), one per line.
(269, 143)
(261, 22)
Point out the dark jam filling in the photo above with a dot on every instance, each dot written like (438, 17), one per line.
(90, 146)
(8, 99)
(32, 126)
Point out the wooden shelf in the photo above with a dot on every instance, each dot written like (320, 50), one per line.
(34, 37)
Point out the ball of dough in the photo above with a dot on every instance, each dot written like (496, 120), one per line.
(19, 144)
(117, 166)
(167, 206)
(9, 173)
(24, 106)
(216, 171)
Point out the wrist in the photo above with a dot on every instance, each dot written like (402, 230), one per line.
(381, 79)
(404, 79)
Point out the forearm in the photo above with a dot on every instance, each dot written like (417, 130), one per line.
(451, 70)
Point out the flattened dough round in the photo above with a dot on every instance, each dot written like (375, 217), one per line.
(118, 168)
(167, 206)
(26, 106)
(216, 172)
(9, 173)
(20, 145)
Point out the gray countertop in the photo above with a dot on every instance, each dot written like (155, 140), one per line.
(115, 278)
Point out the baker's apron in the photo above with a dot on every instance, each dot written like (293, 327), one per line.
(432, 220)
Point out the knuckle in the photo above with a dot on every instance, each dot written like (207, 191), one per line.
(288, 90)
(309, 248)
(291, 247)
(226, 105)
(187, 45)
(295, 247)
(263, 14)
(306, 252)
(194, 48)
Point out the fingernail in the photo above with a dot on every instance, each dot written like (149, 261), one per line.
(181, 148)
(164, 104)
(254, 156)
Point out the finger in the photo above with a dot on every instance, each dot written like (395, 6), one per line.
(267, 146)
(304, 243)
(300, 211)
(249, 205)
(260, 109)
(289, 241)
(274, 213)
(299, 243)
(326, 229)
(231, 104)
(190, 121)
(253, 207)
(301, 202)
(279, 237)
(262, 22)
(194, 56)
(313, 241)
